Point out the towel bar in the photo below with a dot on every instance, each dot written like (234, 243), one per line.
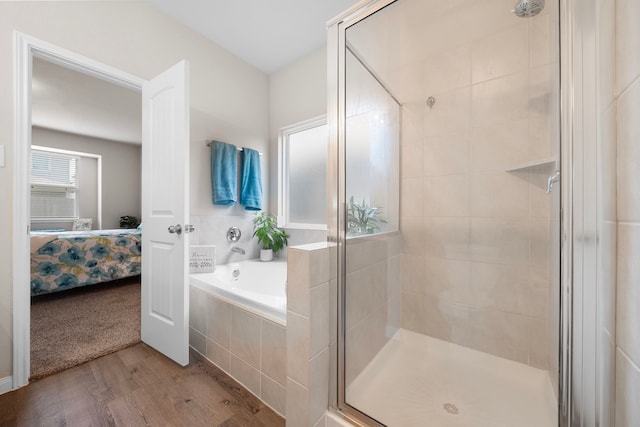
(208, 144)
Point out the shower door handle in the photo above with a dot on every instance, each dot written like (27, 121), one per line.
(552, 180)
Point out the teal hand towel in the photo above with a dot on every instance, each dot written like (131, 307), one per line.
(251, 185)
(224, 173)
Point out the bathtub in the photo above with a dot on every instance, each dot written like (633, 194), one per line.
(256, 286)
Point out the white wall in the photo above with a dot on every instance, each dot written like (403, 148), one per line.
(297, 92)
(120, 171)
(229, 98)
(212, 222)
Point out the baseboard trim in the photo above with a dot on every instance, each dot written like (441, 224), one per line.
(6, 384)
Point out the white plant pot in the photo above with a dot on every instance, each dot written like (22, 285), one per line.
(266, 254)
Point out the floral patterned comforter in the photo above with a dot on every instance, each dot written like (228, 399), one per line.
(72, 259)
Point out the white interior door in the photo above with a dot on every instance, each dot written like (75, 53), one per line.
(165, 211)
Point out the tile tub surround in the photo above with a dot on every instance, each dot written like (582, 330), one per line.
(308, 333)
(249, 348)
(299, 236)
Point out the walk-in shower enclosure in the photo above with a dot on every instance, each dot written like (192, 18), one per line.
(446, 148)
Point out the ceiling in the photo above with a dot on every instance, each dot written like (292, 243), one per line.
(266, 34)
(69, 101)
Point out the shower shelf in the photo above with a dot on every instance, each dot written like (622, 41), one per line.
(540, 165)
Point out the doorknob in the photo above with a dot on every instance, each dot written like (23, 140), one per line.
(175, 229)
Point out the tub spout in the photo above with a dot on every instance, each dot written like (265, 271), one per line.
(237, 250)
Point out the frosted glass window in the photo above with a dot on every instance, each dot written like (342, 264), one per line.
(304, 175)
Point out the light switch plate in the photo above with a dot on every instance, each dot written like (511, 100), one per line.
(1, 156)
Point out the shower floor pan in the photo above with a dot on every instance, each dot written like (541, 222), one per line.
(416, 380)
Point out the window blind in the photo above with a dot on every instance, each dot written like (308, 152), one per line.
(53, 185)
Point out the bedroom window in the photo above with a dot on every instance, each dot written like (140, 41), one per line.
(54, 185)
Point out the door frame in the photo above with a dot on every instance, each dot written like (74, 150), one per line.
(25, 49)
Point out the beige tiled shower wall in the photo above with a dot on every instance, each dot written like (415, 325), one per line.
(372, 300)
(607, 219)
(627, 92)
(475, 265)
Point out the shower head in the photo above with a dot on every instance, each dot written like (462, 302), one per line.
(528, 8)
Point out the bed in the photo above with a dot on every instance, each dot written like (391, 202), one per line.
(71, 259)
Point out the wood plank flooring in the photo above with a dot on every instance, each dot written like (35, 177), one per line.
(136, 386)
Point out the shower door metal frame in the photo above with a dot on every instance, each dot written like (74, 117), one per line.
(565, 348)
(336, 115)
(336, 206)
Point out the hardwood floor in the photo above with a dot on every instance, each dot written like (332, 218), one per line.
(136, 386)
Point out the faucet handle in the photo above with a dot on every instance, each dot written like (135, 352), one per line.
(552, 180)
(233, 234)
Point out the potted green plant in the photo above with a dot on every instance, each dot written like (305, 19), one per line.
(270, 237)
(363, 219)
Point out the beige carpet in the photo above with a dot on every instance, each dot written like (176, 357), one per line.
(75, 326)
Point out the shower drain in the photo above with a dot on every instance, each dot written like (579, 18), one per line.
(451, 408)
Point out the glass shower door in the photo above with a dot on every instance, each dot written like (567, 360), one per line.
(372, 217)
(450, 272)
